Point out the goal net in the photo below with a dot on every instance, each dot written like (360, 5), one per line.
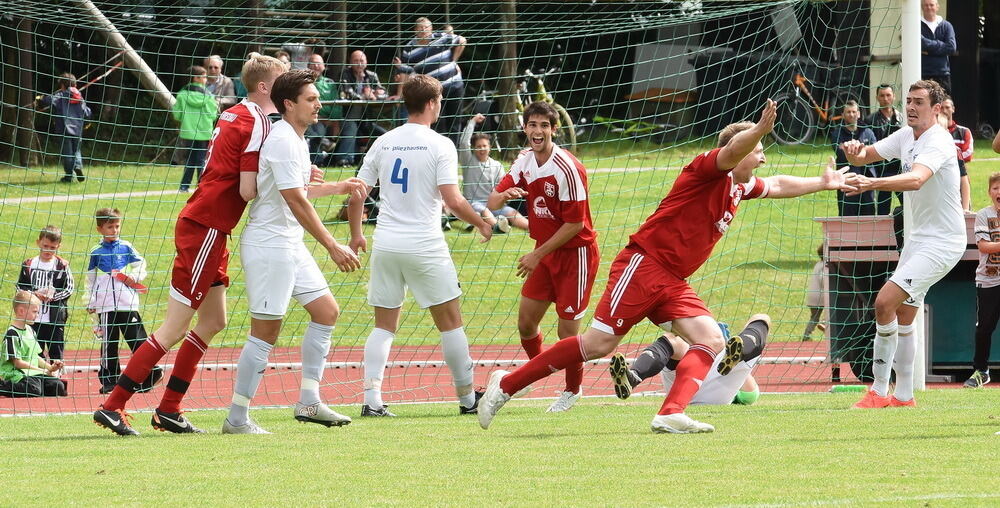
(642, 87)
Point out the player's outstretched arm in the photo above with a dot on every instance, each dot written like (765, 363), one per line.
(463, 210)
(744, 142)
(351, 186)
(787, 186)
(304, 212)
(859, 154)
(910, 181)
(355, 209)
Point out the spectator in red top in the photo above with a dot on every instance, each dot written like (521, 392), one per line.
(647, 278)
(199, 279)
(963, 143)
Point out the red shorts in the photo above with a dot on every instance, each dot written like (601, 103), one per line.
(639, 288)
(201, 262)
(566, 277)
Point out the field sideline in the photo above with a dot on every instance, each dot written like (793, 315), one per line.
(787, 450)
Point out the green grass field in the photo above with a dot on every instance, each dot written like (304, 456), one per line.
(760, 265)
(788, 450)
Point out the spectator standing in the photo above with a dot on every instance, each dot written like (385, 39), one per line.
(23, 372)
(861, 203)
(329, 114)
(114, 281)
(884, 121)
(987, 231)
(49, 278)
(359, 84)
(436, 54)
(196, 110)
(963, 143)
(69, 111)
(937, 43)
(218, 84)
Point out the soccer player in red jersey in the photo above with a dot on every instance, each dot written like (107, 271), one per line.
(563, 265)
(647, 278)
(199, 279)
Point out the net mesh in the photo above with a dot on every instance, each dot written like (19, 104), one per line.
(645, 86)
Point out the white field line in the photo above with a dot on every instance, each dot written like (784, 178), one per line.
(51, 198)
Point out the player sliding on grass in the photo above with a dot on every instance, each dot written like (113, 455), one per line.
(278, 265)
(725, 383)
(935, 244)
(564, 262)
(416, 169)
(647, 278)
(199, 279)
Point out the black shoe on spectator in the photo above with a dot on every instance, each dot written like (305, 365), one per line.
(66, 179)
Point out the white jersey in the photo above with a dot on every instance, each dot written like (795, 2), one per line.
(716, 389)
(410, 162)
(937, 206)
(284, 164)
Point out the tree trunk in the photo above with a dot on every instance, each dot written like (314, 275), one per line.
(509, 127)
(256, 14)
(25, 99)
(339, 56)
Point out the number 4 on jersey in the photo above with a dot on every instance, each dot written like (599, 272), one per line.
(400, 174)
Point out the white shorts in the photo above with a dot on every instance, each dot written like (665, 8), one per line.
(920, 266)
(717, 389)
(431, 278)
(276, 275)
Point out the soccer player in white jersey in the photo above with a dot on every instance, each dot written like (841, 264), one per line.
(276, 262)
(416, 169)
(936, 243)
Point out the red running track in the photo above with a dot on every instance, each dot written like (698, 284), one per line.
(212, 388)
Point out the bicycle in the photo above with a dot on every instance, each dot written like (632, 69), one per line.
(801, 113)
(486, 103)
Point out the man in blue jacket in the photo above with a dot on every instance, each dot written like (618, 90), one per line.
(937, 42)
(69, 111)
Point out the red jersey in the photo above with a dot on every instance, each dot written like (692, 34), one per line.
(234, 148)
(557, 194)
(689, 222)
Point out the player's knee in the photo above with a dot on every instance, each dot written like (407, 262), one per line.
(714, 341)
(213, 325)
(527, 328)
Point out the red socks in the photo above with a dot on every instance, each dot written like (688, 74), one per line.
(185, 366)
(561, 355)
(143, 360)
(533, 346)
(691, 371)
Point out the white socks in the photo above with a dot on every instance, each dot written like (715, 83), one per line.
(906, 351)
(315, 348)
(249, 371)
(885, 348)
(376, 357)
(455, 346)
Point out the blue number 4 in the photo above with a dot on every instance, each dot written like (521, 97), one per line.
(400, 176)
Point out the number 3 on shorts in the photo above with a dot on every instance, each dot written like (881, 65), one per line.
(400, 174)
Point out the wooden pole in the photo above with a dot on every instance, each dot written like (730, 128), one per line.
(339, 57)
(147, 78)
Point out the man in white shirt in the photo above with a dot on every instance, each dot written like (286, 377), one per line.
(936, 242)
(276, 262)
(416, 169)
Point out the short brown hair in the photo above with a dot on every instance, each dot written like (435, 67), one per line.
(51, 233)
(539, 108)
(934, 90)
(197, 70)
(994, 178)
(726, 135)
(851, 103)
(418, 91)
(106, 215)
(480, 135)
(67, 80)
(258, 68)
(23, 297)
(288, 86)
